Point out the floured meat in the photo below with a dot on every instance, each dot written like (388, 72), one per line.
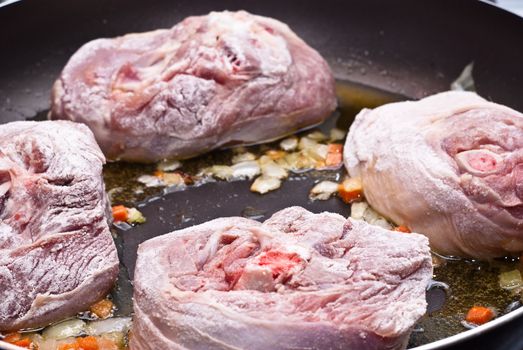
(210, 81)
(57, 256)
(297, 281)
(449, 166)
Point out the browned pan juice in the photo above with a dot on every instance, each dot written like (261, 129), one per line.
(469, 282)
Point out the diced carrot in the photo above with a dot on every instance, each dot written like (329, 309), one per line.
(334, 154)
(120, 213)
(350, 189)
(88, 343)
(335, 148)
(333, 159)
(24, 343)
(12, 337)
(402, 228)
(159, 174)
(69, 346)
(103, 308)
(479, 315)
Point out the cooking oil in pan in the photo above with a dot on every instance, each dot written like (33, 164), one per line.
(460, 284)
(121, 178)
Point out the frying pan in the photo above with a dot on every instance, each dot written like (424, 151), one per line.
(412, 48)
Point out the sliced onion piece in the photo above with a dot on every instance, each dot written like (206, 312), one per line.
(510, 280)
(318, 153)
(135, 216)
(323, 190)
(264, 184)
(222, 172)
(357, 210)
(306, 143)
(169, 165)
(337, 134)
(173, 179)
(66, 329)
(381, 222)
(243, 157)
(275, 154)
(282, 162)
(151, 181)
(289, 144)
(299, 162)
(110, 325)
(271, 169)
(317, 136)
(246, 169)
(370, 215)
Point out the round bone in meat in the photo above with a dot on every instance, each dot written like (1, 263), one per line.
(449, 166)
(57, 256)
(298, 281)
(210, 81)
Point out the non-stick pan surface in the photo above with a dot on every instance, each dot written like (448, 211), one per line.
(412, 48)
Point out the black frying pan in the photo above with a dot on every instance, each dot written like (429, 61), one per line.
(412, 48)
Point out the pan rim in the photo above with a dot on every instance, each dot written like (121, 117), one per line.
(471, 333)
(452, 340)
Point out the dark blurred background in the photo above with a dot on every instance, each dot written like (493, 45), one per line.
(515, 6)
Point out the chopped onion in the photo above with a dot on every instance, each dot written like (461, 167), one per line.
(323, 190)
(243, 157)
(117, 338)
(306, 143)
(173, 179)
(223, 172)
(271, 169)
(337, 134)
(319, 152)
(373, 218)
(45, 344)
(264, 184)
(370, 215)
(135, 216)
(289, 144)
(305, 162)
(282, 162)
(110, 325)
(358, 209)
(317, 136)
(169, 165)
(381, 222)
(510, 280)
(465, 81)
(66, 329)
(275, 154)
(151, 181)
(265, 159)
(246, 169)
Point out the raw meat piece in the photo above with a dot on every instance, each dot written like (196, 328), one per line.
(210, 81)
(297, 281)
(449, 166)
(57, 256)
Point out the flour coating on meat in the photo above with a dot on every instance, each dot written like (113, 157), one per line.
(449, 166)
(210, 81)
(297, 281)
(57, 256)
